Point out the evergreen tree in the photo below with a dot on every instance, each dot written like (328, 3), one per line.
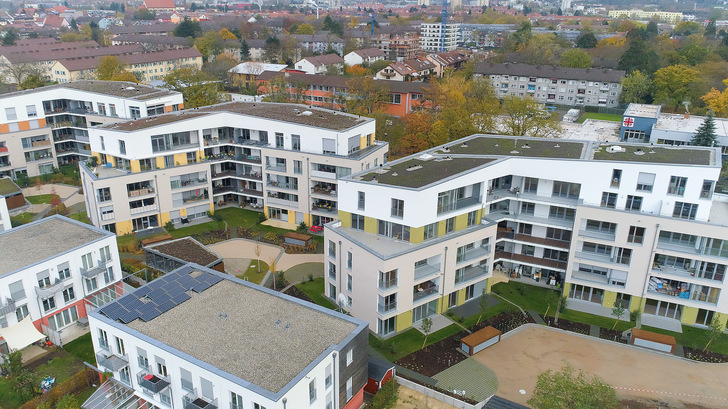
(586, 40)
(705, 135)
(244, 51)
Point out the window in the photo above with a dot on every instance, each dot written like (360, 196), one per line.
(393, 230)
(258, 406)
(332, 271)
(332, 291)
(677, 185)
(103, 145)
(30, 109)
(49, 304)
(10, 114)
(186, 378)
(122, 148)
(21, 312)
(556, 212)
(44, 280)
(645, 181)
(449, 225)
(528, 208)
(134, 112)
(430, 231)
(530, 185)
(161, 368)
(596, 248)
(634, 203)
(296, 142)
(361, 201)
(636, 234)
(297, 167)
(112, 109)
(600, 226)
(558, 234)
(349, 282)
(87, 261)
(109, 275)
(102, 109)
(528, 250)
(387, 279)
(103, 339)
(616, 177)
(64, 271)
(68, 294)
(357, 221)
(236, 401)
(397, 208)
(332, 249)
(550, 254)
(707, 190)
(329, 379)
(349, 357)
(565, 189)
(279, 140)
(104, 194)
(623, 256)
(91, 284)
(396, 98)
(120, 346)
(469, 291)
(105, 254)
(387, 326)
(349, 389)
(609, 200)
(685, 210)
(524, 228)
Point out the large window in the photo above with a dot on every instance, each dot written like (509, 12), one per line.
(387, 279)
(636, 234)
(566, 189)
(397, 208)
(357, 221)
(63, 318)
(556, 212)
(430, 231)
(393, 230)
(677, 185)
(386, 327)
(645, 181)
(634, 203)
(530, 185)
(609, 200)
(685, 210)
(623, 256)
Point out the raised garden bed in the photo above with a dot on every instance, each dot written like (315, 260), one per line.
(504, 322)
(611, 335)
(707, 356)
(577, 327)
(293, 291)
(212, 237)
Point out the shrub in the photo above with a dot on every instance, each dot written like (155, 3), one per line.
(386, 397)
(214, 216)
(271, 237)
(310, 276)
(261, 217)
(67, 402)
(70, 386)
(280, 280)
(301, 228)
(13, 363)
(564, 304)
(633, 315)
(169, 226)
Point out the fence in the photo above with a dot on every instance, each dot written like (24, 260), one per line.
(439, 395)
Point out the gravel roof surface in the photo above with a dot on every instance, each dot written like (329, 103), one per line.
(187, 249)
(47, 238)
(248, 343)
(120, 89)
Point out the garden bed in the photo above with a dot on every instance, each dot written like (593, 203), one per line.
(577, 327)
(611, 335)
(504, 322)
(443, 391)
(293, 291)
(707, 356)
(212, 237)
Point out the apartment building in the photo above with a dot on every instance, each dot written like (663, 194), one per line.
(321, 64)
(55, 270)
(397, 43)
(438, 37)
(554, 85)
(197, 338)
(281, 158)
(365, 56)
(670, 17)
(604, 222)
(44, 128)
(149, 66)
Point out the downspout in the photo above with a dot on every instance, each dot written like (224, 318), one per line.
(649, 265)
(336, 383)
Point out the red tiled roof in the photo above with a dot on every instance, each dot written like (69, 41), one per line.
(159, 4)
(325, 59)
(76, 64)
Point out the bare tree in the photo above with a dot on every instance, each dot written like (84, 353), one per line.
(258, 251)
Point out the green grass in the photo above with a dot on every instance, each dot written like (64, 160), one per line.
(82, 348)
(409, 341)
(315, 290)
(470, 321)
(528, 297)
(252, 274)
(196, 229)
(695, 338)
(604, 322)
(40, 199)
(601, 117)
(22, 218)
(81, 217)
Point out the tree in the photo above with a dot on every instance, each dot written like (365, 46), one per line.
(586, 40)
(526, 117)
(705, 134)
(617, 311)
(675, 84)
(356, 71)
(13, 362)
(482, 305)
(209, 45)
(576, 58)
(109, 66)
(551, 299)
(258, 252)
(272, 49)
(541, 49)
(197, 88)
(272, 268)
(144, 14)
(244, 51)
(715, 330)
(717, 101)
(25, 384)
(31, 82)
(305, 28)
(426, 328)
(219, 68)
(333, 26)
(638, 57)
(651, 30)
(636, 87)
(226, 34)
(569, 389)
(73, 25)
(188, 28)
(365, 95)
(125, 76)
(710, 29)
(68, 402)
(10, 36)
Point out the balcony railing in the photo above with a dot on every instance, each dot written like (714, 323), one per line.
(323, 175)
(107, 216)
(523, 258)
(386, 308)
(319, 190)
(152, 383)
(325, 208)
(112, 362)
(425, 290)
(140, 192)
(94, 271)
(535, 240)
(144, 209)
(473, 253)
(281, 185)
(471, 273)
(7, 307)
(596, 234)
(193, 401)
(426, 270)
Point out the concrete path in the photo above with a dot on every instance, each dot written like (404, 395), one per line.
(438, 322)
(536, 317)
(594, 331)
(526, 352)
(243, 248)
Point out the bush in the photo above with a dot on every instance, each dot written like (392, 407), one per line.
(12, 363)
(310, 277)
(261, 217)
(280, 280)
(386, 397)
(564, 304)
(169, 226)
(70, 386)
(214, 216)
(67, 402)
(634, 315)
(302, 228)
(271, 237)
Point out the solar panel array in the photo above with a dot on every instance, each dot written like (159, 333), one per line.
(159, 296)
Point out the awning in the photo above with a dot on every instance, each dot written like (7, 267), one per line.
(22, 334)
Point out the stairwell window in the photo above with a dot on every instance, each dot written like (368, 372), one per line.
(685, 210)
(397, 208)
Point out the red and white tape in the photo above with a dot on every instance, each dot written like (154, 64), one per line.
(670, 393)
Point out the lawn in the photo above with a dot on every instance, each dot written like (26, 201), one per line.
(196, 229)
(22, 218)
(601, 117)
(81, 217)
(41, 199)
(82, 348)
(604, 322)
(315, 291)
(252, 274)
(528, 297)
(695, 338)
(409, 341)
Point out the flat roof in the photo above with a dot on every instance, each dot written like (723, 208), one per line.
(32, 243)
(657, 154)
(186, 249)
(514, 146)
(121, 89)
(418, 172)
(262, 337)
(292, 113)
(679, 123)
(642, 110)
(8, 187)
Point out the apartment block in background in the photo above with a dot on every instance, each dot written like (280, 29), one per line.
(197, 338)
(47, 127)
(606, 223)
(437, 37)
(281, 158)
(55, 271)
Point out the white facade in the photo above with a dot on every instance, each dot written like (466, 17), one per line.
(46, 127)
(353, 58)
(4, 216)
(530, 216)
(432, 38)
(55, 289)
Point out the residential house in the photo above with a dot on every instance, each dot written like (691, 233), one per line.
(450, 60)
(246, 74)
(362, 57)
(417, 69)
(321, 64)
(159, 5)
(320, 43)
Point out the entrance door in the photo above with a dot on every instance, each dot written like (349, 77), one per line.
(663, 309)
(424, 310)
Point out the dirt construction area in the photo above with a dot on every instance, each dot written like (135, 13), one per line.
(676, 383)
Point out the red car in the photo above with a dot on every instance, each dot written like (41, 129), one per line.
(316, 229)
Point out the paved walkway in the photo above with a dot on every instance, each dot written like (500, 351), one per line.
(536, 317)
(469, 378)
(661, 322)
(594, 331)
(438, 322)
(243, 248)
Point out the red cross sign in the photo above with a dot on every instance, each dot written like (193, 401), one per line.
(628, 122)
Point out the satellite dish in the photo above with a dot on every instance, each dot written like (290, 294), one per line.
(342, 299)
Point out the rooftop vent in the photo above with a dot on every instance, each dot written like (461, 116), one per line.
(525, 146)
(639, 152)
(557, 146)
(615, 149)
(395, 174)
(416, 167)
(306, 113)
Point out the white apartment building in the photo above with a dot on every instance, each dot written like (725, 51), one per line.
(197, 338)
(55, 271)
(44, 128)
(281, 158)
(4, 216)
(668, 16)
(630, 222)
(554, 85)
(433, 39)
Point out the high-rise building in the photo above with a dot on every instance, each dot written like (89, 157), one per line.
(435, 37)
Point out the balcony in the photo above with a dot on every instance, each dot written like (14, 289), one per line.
(69, 124)
(232, 189)
(601, 257)
(5, 164)
(470, 274)
(274, 184)
(141, 192)
(329, 208)
(323, 175)
(424, 291)
(275, 168)
(112, 362)
(387, 308)
(232, 173)
(682, 290)
(523, 258)
(591, 277)
(426, 270)
(473, 253)
(688, 248)
(107, 216)
(596, 234)
(7, 307)
(534, 240)
(460, 204)
(152, 383)
(193, 401)
(144, 209)
(94, 271)
(324, 190)
(49, 290)
(233, 157)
